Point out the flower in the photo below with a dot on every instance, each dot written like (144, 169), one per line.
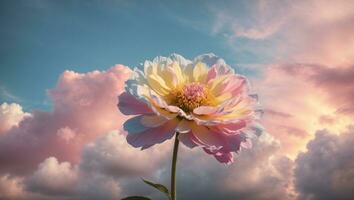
(203, 100)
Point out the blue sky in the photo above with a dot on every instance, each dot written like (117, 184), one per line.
(41, 39)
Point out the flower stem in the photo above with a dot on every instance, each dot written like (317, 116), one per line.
(173, 168)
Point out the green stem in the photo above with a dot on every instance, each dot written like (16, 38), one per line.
(173, 168)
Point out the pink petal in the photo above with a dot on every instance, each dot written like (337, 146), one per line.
(218, 70)
(205, 110)
(234, 84)
(226, 158)
(189, 139)
(212, 73)
(224, 154)
(208, 137)
(212, 138)
(129, 105)
(232, 128)
(141, 136)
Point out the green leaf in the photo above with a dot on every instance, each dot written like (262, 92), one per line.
(136, 198)
(160, 187)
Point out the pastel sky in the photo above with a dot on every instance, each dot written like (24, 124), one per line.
(63, 64)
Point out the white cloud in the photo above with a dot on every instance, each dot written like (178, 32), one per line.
(10, 115)
(113, 156)
(53, 178)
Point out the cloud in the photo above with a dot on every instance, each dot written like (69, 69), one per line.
(290, 29)
(324, 37)
(62, 180)
(303, 98)
(10, 116)
(13, 188)
(251, 20)
(84, 108)
(258, 173)
(112, 156)
(261, 173)
(105, 165)
(325, 171)
(53, 178)
(10, 187)
(76, 151)
(110, 169)
(337, 84)
(98, 186)
(284, 110)
(59, 155)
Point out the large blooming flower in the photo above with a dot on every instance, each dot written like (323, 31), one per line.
(203, 100)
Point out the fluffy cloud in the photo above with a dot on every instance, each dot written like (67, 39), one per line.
(13, 188)
(110, 169)
(258, 173)
(84, 108)
(106, 164)
(10, 116)
(53, 178)
(112, 156)
(10, 187)
(62, 180)
(325, 171)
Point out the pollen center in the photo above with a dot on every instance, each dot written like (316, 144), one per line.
(191, 96)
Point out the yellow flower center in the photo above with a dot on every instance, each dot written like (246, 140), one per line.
(191, 96)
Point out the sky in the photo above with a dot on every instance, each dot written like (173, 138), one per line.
(63, 64)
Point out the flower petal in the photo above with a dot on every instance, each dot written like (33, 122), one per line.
(232, 128)
(223, 126)
(129, 105)
(205, 110)
(152, 120)
(200, 72)
(226, 158)
(141, 136)
(207, 136)
(184, 126)
(219, 70)
(189, 139)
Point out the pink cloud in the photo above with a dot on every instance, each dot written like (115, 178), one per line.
(302, 98)
(11, 187)
(310, 31)
(336, 84)
(84, 108)
(318, 32)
